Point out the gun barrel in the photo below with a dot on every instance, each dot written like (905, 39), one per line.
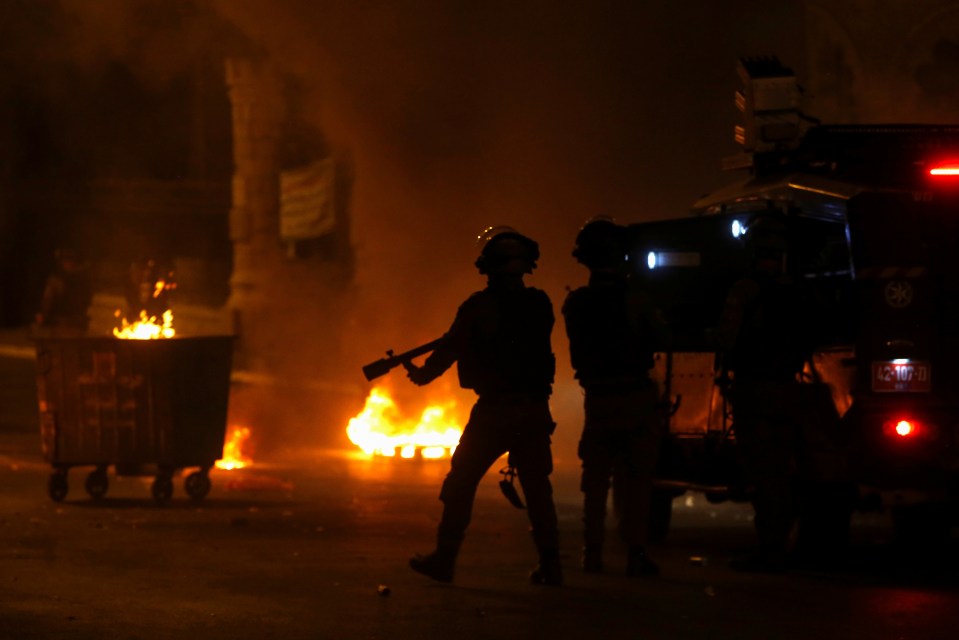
(381, 367)
(384, 365)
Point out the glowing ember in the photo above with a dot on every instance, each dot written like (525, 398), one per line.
(146, 328)
(233, 455)
(380, 429)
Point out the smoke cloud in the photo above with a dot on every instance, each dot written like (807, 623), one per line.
(461, 115)
(534, 114)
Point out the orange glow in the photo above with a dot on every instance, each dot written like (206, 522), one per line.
(234, 456)
(381, 429)
(146, 328)
(162, 286)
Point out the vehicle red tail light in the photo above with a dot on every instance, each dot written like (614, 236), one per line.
(906, 428)
(947, 169)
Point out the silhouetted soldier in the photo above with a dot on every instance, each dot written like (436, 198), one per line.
(500, 340)
(67, 295)
(766, 334)
(613, 331)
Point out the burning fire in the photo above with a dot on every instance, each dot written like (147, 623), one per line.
(380, 429)
(233, 455)
(146, 328)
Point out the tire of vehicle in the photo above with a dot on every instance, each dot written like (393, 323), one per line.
(97, 484)
(197, 485)
(162, 489)
(57, 486)
(660, 514)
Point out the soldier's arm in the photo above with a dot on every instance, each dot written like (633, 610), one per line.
(444, 355)
(575, 328)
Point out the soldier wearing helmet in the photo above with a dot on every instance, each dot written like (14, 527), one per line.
(500, 341)
(766, 336)
(613, 330)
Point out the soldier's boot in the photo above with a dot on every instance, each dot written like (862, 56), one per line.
(638, 563)
(438, 565)
(549, 571)
(593, 558)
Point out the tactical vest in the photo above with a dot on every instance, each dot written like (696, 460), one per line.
(507, 348)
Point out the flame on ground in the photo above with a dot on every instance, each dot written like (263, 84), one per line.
(381, 429)
(146, 328)
(233, 454)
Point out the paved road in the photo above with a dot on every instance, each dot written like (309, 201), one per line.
(313, 544)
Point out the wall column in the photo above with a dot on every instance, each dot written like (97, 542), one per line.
(256, 97)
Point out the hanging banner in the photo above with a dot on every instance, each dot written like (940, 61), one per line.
(306, 201)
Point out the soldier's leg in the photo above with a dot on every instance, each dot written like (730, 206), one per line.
(533, 460)
(827, 495)
(767, 461)
(597, 464)
(633, 488)
(470, 462)
(473, 457)
(633, 481)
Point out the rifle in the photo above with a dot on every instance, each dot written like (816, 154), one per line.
(384, 365)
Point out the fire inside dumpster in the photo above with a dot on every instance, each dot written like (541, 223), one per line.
(143, 406)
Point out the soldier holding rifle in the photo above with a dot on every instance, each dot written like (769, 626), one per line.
(500, 340)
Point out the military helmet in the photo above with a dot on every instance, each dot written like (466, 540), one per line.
(505, 250)
(600, 243)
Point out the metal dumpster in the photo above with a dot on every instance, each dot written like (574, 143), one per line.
(146, 407)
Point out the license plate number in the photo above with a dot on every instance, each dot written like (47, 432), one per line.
(901, 376)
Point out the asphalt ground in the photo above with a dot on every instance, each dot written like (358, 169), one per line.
(313, 543)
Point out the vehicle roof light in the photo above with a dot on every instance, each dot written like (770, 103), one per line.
(950, 169)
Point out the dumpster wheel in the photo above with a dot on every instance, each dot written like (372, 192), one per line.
(97, 483)
(197, 485)
(162, 488)
(57, 486)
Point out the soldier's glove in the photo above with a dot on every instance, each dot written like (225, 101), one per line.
(417, 375)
